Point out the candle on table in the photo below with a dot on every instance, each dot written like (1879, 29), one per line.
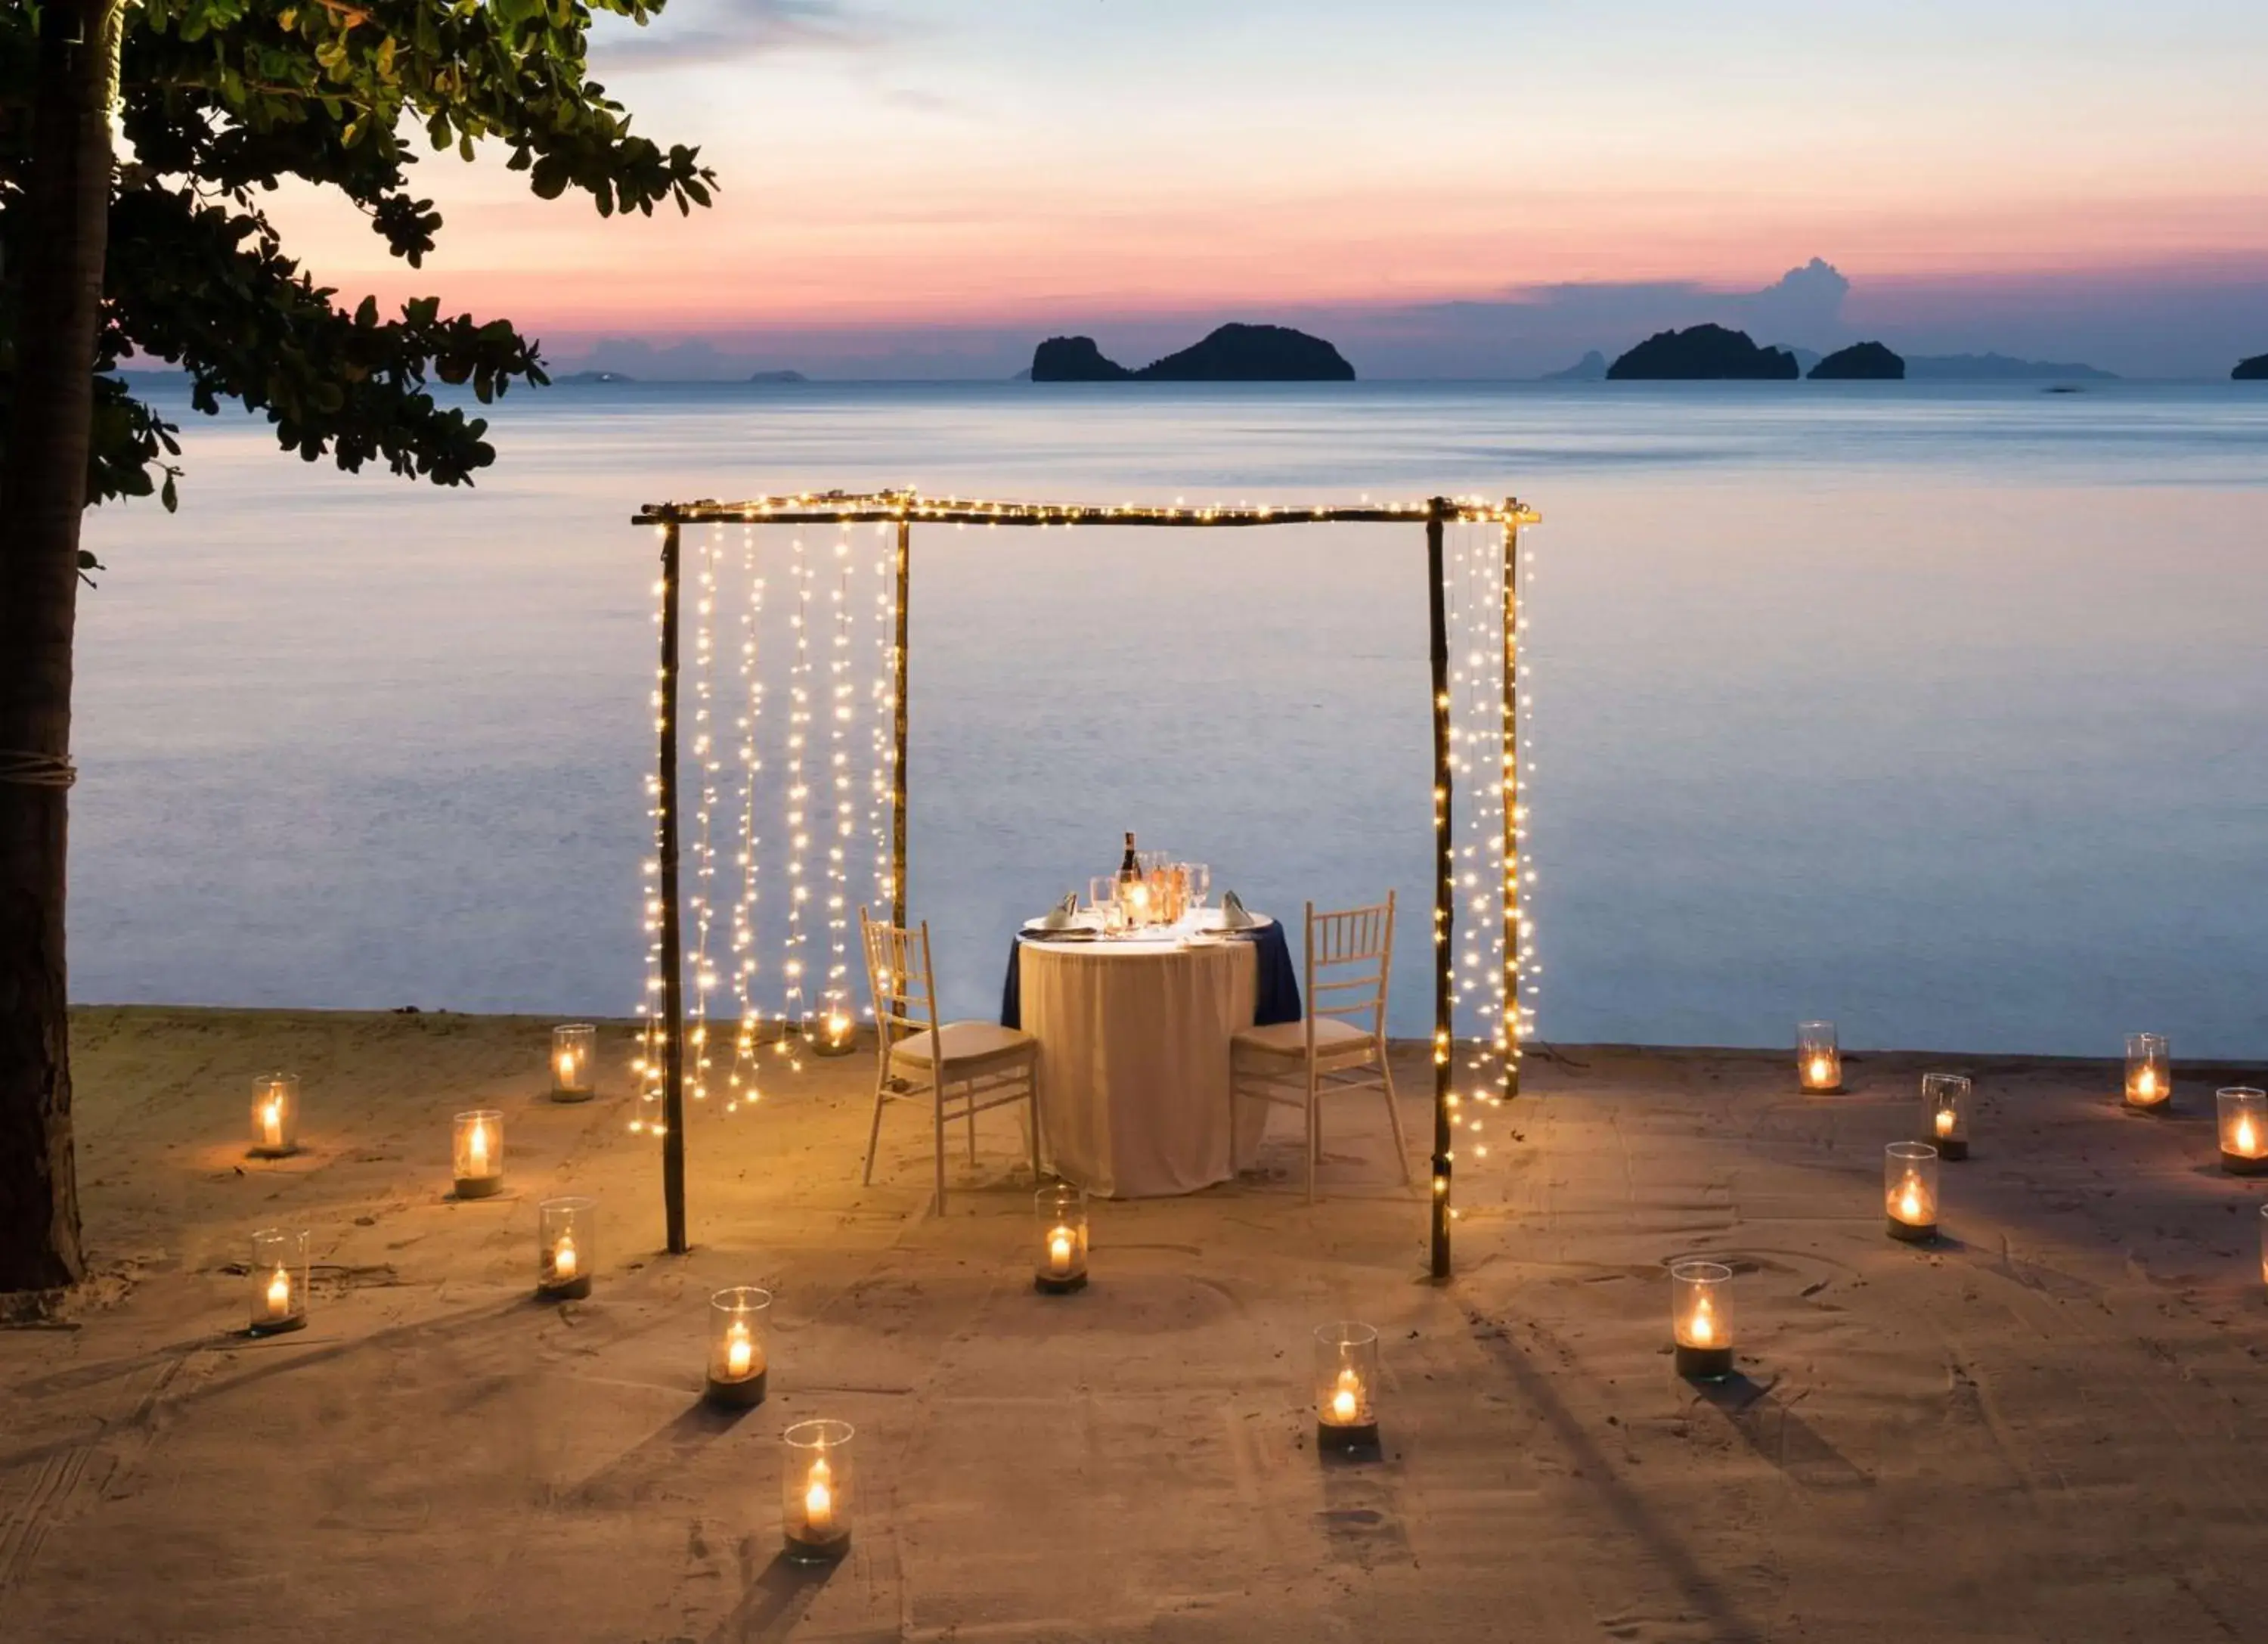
(2149, 1071)
(1818, 1060)
(738, 1364)
(1346, 1388)
(1945, 1100)
(1910, 1190)
(566, 1231)
(1059, 1212)
(815, 1479)
(279, 1296)
(2243, 1115)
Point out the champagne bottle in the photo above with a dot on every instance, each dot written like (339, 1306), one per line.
(1129, 869)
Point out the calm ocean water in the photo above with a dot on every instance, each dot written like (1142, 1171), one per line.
(1935, 710)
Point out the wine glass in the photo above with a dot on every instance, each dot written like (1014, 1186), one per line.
(1200, 882)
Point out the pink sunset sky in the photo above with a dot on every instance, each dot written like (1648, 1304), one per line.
(946, 183)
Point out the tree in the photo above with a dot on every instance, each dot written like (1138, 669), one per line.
(161, 249)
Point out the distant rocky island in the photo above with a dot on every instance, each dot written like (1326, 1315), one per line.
(1861, 362)
(1998, 368)
(1703, 353)
(2253, 370)
(1590, 368)
(583, 378)
(777, 376)
(1233, 353)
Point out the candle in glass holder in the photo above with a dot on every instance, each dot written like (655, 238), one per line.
(1346, 1387)
(1945, 1114)
(476, 1152)
(736, 1360)
(1134, 896)
(815, 1495)
(2149, 1071)
(1701, 1319)
(1060, 1213)
(2243, 1131)
(1818, 1062)
(574, 1062)
(1910, 1190)
(566, 1232)
(279, 1280)
(275, 1115)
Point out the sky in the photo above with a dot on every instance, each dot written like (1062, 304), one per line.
(1448, 188)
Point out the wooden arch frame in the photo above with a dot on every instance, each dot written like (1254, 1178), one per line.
(905, 509)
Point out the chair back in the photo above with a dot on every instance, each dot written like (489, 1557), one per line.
(898, 976)
(1350, 957)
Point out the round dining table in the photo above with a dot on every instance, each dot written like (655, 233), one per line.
(1133, 1037)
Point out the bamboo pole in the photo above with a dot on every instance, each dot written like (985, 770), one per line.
(1443, 892)
(1511, 775)
(672, 959)
(899, 661)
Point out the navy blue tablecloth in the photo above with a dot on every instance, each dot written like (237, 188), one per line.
(1276, 995)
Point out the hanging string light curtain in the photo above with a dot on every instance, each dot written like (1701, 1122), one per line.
(1483, 936)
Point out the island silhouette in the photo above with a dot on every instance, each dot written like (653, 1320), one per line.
(1861, 362)
(1230, 353)
(1703, 353)
(2253, 370)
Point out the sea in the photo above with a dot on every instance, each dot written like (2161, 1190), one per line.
(1939, 711)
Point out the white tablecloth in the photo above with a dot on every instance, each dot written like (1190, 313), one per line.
(1134, 1060)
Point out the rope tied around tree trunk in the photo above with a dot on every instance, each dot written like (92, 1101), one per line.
(36, 771)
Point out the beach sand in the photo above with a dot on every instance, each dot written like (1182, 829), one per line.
(2052, 1426)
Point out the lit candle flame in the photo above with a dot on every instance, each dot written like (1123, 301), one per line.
(476, 1149)
(563, 1256)
(567, 1067)
(1346, 1399)
(1945, 1121)
(1823, 1071)
(271, 1121)
(1910, 1204)
(838, 1027)
(2246, 1140)
(740, 1351)
(2145, 1083)
(819, 1498)
(279, 1293)
(1059, 1253)
(1703, 1326)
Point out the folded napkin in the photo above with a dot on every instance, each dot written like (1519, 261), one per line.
(1232, 915)
(1063, 914)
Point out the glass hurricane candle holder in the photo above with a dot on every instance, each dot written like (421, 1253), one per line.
(1701, 1319)
(574, 1062)
(1060, 1257)
(1910, 1190)
(275, 1115)
(476, 1153)
(279, 1280)
(1346, 1387)
(1818, 1062)
(815, 1490)
(834, 1031)
(2243, 1131)
(736, 1360)
(2149, 1071)
(1945, 1114)
(566, 1247)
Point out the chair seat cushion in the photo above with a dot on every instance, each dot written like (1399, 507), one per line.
(964, 1042)
(1333, 1037)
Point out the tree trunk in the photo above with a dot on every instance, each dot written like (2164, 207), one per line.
(66, 214)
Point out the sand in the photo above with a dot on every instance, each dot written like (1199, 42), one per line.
(2051, 1427)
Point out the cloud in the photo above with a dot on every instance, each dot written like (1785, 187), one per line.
(714, 31)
